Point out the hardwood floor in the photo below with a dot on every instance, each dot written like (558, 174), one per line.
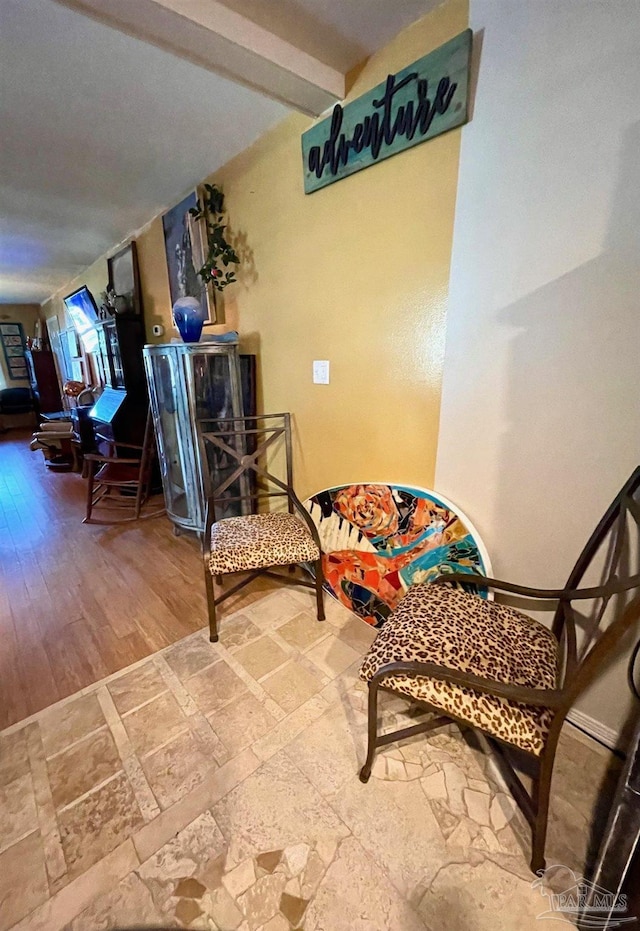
(80, 601)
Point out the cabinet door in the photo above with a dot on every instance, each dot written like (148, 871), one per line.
(216, 393)
(175, 444)
(115, 356)
(102, 356)
(216, 388)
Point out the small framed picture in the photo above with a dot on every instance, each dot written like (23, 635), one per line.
(13, 345)
(124, 277)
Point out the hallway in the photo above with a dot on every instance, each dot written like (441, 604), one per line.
(79, 602)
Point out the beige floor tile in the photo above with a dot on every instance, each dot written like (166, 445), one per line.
(261, 657)
(333, 656)
(348, 687)
(48, 824)
(450, 746)
(337, 614)
(18, 814)
(154, 835)
(139, 783)
(215, 687)
(303, 630)
(239, 630)
(177, 768)
(304, 597)
(98, 823)
(155, 723)
(175, 686)
(289, 728)
(358, 635)
(181, 858)
(272, 808)
(23, 880)
(137, 687)
(212, 746)
(129, 902)
(61, 908)
(64, 724)
(292, 685)
(483, 896)
(14, 757)
(588, 780)
(189, 656)
(274, 609)
(355, 893)
(260, 902)
(395, 824)
(241, 722)
(331, 750)
(78, 769)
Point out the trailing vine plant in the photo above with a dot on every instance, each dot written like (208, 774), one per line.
(220, 254)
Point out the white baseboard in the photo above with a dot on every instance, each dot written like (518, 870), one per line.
(593, 728)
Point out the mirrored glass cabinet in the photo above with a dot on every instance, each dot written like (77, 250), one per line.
(191, 386)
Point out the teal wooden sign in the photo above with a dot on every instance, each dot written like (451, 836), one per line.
(423, 100)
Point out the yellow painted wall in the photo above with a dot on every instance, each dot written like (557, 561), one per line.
(26, 314)
(356, 273)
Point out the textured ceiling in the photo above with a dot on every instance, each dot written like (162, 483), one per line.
(102, 131)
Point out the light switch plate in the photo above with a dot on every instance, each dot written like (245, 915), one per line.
(321, 372)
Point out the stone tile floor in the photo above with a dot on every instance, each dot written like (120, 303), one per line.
(214, 786)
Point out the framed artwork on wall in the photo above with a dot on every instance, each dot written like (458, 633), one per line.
(12, 339)
(124, 277)
(184, 247)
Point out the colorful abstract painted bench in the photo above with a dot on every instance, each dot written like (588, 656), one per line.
(380, 539)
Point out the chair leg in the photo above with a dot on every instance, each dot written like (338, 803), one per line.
(319, 590)
(90, 477)
(540, 799)
(139, 500)
(365, 772)
(211, 605)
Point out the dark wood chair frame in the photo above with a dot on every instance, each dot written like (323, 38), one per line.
(233, 436)
(99, 492)
(574, 673)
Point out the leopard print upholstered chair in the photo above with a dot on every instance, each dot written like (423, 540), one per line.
(492, 668)
(255, 522)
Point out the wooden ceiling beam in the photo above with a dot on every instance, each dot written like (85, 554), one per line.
(221, 40)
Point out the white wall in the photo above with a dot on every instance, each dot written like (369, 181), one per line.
(540, 419)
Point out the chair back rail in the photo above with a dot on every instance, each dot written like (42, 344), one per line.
(245, 460)
(577, 664)
(615, 520)
(269, 433)
(613, 532)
